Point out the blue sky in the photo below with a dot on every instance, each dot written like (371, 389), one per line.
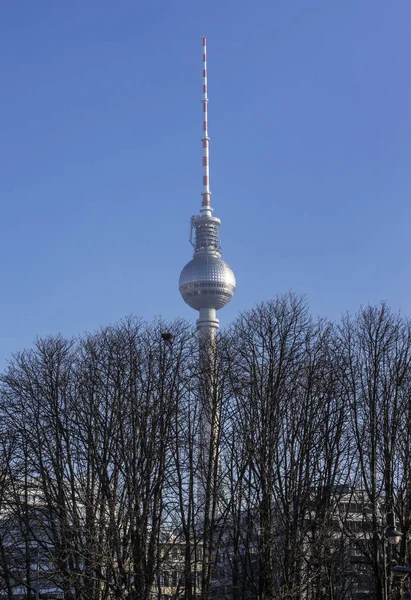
(100, 153)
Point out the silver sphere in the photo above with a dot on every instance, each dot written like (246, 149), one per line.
(207, 282)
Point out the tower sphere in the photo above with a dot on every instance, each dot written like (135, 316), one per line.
(207, 282)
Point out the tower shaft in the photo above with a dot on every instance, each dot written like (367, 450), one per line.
(209, 422)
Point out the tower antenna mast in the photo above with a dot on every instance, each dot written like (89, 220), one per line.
(206, 203)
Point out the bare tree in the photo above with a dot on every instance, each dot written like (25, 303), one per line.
(286, 444)
(107, 489)
(373, 365)
(96, 427)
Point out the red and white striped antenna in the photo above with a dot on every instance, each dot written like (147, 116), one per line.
(206, 203)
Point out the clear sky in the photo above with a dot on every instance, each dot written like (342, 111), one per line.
(100, 154)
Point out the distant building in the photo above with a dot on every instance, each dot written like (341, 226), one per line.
(26, 555)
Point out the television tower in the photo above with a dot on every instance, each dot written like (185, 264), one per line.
(207, 284)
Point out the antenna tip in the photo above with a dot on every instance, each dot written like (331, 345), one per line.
(204, 41)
